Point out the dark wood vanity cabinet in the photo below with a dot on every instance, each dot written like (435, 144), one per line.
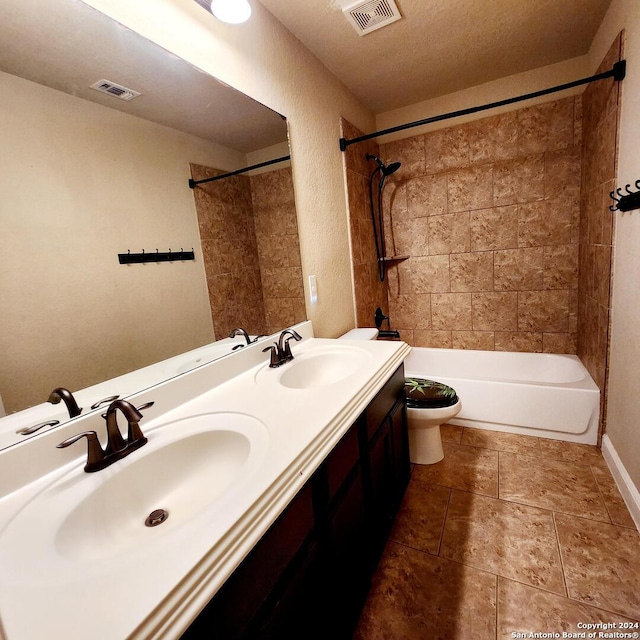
(309, 575)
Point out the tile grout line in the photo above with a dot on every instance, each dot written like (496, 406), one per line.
(497, 605)
(444, 523)
(601, 494)
(559, 547)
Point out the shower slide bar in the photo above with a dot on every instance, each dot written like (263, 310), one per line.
(617, 72)
(193, 183)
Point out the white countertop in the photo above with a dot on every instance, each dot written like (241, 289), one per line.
(154, 588)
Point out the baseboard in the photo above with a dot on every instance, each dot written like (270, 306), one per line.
(628, 490)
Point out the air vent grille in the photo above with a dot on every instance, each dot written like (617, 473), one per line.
(370, 15)
(114, 89)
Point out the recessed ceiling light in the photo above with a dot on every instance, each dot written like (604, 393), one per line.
(231, 11)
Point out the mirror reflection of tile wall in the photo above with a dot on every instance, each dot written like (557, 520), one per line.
(249, 235)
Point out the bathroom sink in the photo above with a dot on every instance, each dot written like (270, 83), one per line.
(317, 367)
(187, 467)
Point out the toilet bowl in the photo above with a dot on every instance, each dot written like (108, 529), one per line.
(429, 404)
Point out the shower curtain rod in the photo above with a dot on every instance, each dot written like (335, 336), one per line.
(617, 72)
(193, 183)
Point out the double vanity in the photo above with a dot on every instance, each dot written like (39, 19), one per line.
(260, 502)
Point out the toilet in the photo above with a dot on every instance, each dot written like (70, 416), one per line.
(429, 404)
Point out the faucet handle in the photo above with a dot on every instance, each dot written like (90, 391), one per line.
(95, 453)
(275, 360)
(109, 400)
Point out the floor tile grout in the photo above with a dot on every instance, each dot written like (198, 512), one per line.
(559, 547)
(461, 519)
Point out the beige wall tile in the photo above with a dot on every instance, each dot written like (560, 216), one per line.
(546, 127)
(449, 233)
(519, 269)
(493, 139)
(562, 173)
(495, 311)
(519, 341)
(472, 271)
(413, 312)
(561, 267)
(559, 342)
(410, 152)
(470, 189)
(418, 240)
(434, 339)
(518, 181)
(430, 274)
(427, 196)
(446, 149)
(495, 228)
(483, 340)
(545, 223)
(543, 311)
(451, 311)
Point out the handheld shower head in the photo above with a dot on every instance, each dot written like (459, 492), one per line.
(386, 170)
(392, 168)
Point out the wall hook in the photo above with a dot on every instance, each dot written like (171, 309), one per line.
(158, 256)
(626, 201)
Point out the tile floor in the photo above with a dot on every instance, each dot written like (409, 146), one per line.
(508, 535)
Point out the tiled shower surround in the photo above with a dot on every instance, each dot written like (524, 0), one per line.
(601, 102)
(506, 224)
(249, 238)
(489, 213)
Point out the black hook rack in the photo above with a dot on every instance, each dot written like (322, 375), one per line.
(158, 256)
(626, 201)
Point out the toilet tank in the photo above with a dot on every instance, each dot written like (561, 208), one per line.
(360, 334)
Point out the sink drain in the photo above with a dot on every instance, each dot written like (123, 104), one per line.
(156, 517)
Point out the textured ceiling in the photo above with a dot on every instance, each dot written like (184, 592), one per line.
(440, 46)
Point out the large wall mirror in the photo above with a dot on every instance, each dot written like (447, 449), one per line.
(85, 175)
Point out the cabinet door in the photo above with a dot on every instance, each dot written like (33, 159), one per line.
(380, 502)
(246, 600)
(401, 463)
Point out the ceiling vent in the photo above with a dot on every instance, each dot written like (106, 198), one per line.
(117, 90)
(370, 15)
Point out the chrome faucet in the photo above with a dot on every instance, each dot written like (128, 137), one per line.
(281, 350)
(117, 447)
(60, 393)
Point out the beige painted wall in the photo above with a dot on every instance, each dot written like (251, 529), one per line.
(623, 423)
(80, 183)
(262, 59)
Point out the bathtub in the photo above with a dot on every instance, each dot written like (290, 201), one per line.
(540, 394)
